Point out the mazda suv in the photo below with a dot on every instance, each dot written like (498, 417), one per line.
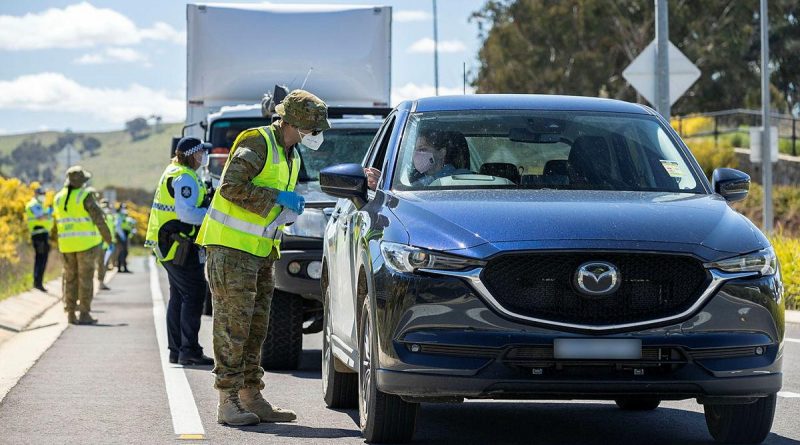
(544, 247)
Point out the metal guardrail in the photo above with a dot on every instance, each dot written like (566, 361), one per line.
(732, 121)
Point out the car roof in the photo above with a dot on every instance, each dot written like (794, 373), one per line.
(522, 102)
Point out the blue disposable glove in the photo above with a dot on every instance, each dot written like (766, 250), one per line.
(291, 201)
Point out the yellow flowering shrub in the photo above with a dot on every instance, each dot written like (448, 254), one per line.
(711, 157)
(788, 251)
(13, 228)
(692, 125)
(141, 214)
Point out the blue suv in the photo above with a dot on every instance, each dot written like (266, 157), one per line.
(544, 247)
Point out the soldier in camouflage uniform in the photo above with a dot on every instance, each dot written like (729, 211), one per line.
(80, 227)
(240, 265)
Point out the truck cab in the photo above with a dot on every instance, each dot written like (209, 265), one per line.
(297, 302)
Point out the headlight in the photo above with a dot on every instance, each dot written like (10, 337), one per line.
(404, 258)
(310, 224)
(764, 262)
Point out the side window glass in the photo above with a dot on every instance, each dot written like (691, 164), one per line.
(380, 154)
(373, 146)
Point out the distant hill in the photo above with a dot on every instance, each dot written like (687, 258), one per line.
(120, 161)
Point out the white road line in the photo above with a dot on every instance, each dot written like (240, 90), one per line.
(185, 417)
(788, 394)
(791, 340)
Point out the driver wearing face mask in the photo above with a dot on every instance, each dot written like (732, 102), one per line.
(175, 217)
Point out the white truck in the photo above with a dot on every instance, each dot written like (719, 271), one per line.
(238, 52)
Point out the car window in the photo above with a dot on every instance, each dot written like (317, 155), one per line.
(541, 149)
(380, 152)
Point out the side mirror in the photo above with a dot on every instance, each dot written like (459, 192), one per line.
(345, 181)
(732, 184)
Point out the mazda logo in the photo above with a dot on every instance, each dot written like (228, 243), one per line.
(597, 278)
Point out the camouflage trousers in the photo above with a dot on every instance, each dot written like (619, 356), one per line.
(241, 290)
(100, 263)
(78, 280)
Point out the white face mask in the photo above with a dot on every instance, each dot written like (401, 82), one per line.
(311, 141)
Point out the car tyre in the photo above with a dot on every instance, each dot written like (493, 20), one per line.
(340, 389)
(383, 418)
(638, 404)
(748, 423)
(283, 346)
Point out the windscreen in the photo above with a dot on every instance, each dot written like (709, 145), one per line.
(340, 146)
(481, 149)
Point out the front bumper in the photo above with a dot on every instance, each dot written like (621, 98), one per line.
(439, 339)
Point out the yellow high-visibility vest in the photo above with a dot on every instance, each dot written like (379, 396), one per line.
(76, 230)
(35, 225)
(163, 209)
(227, 224)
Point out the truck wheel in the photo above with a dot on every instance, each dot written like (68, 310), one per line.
(647, 404)
(741, 423)
(284, 344)
(384, 418)
(339, 388)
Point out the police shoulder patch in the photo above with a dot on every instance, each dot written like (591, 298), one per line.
(186, 192)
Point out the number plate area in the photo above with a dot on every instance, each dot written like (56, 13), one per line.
(597, 349)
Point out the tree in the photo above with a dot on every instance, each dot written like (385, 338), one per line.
(138, 128)
(581, 47)
(91, 144)
(27, 159)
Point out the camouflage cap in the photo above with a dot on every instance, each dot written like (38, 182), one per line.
(304, 110)
(77, 176)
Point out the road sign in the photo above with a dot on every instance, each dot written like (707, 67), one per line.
(641, 73)
(755, 144)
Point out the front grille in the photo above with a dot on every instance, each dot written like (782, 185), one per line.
(541, 285)
(543, 356)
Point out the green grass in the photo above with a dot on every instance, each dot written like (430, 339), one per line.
(120, 162)
(18, 278)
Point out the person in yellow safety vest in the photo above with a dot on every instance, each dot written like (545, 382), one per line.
(40, 222)
(103, 251)
(79, 227)
(179, 206)
(241, 233)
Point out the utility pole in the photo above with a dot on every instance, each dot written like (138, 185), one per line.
(435, 50)
(766, 155)
(662, 59)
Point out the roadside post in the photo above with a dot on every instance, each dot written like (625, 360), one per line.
(766, 165)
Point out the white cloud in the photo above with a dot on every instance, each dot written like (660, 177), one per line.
(411, 16)
(411, 91)
(56, 92)
(110, 55)
(425, 46)
(78, 26)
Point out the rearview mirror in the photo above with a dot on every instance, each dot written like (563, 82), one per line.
(732, 184)
(345, 181)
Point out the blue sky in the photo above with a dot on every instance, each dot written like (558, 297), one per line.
(91, 65)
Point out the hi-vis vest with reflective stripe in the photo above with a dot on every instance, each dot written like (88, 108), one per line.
(35, 225)
(163, 209)
(227, 224)
(76, 231)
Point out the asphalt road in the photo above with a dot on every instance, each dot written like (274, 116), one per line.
(105, 384)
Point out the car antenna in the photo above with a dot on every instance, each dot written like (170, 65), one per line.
(306, 79)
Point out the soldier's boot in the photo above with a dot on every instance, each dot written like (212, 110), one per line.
(231, 412)
(85, 318)
(253, 401)
(71, 318)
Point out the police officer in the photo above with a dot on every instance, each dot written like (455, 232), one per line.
(123, 227)
(40, 222)
(178, 209)
(241, 232)
(80, 227)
